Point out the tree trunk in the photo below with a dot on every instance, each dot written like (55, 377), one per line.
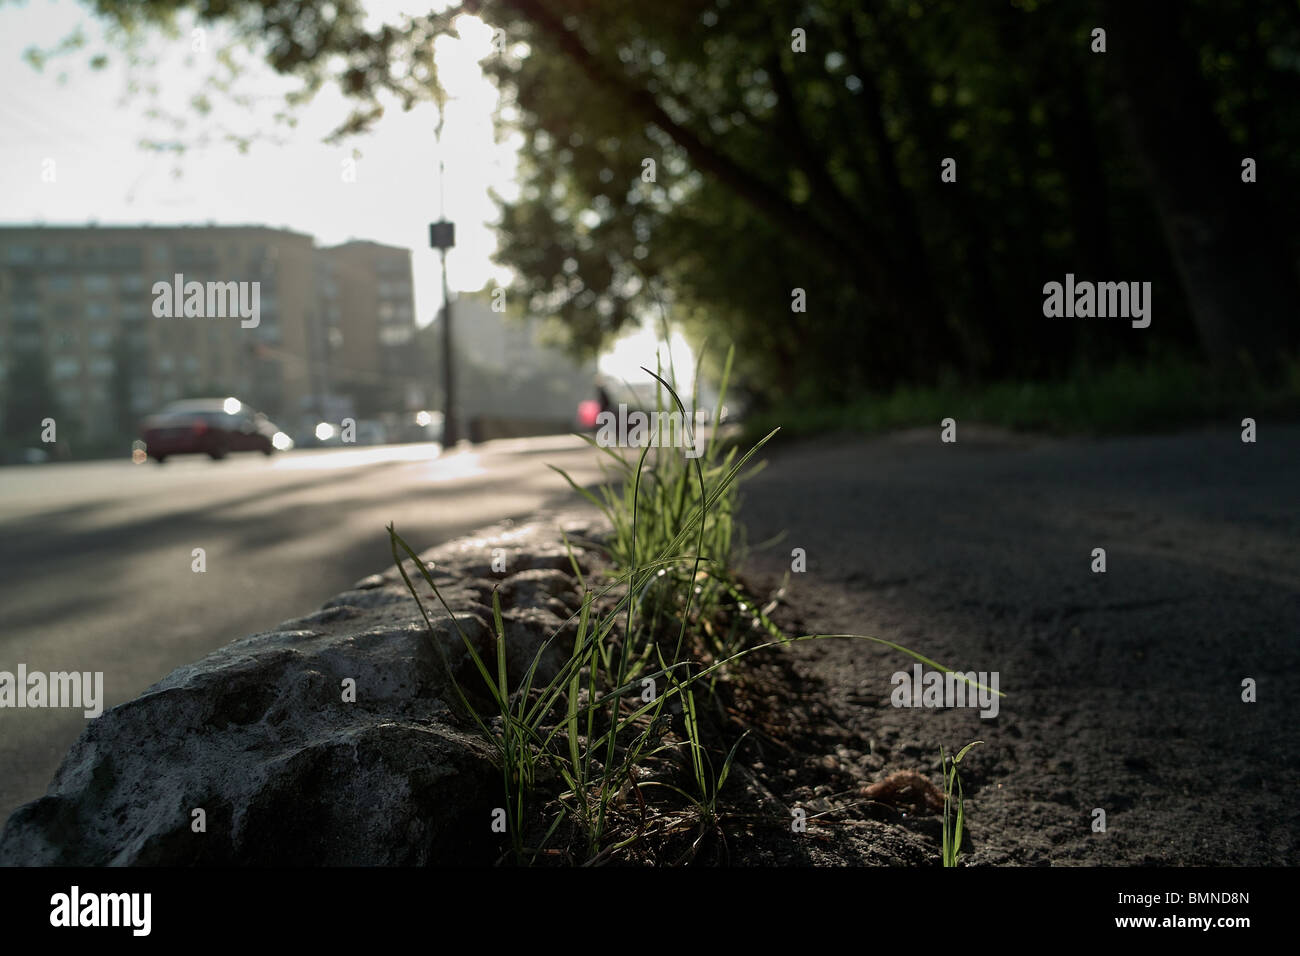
(1237, 276)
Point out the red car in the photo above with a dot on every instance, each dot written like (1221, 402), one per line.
(209, 426)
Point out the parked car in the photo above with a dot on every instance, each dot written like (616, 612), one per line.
(210, 426)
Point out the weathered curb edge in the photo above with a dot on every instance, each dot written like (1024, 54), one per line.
(253, 756)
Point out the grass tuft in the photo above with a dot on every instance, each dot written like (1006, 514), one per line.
(634, 710)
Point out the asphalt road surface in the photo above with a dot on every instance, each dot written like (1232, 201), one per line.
(96, 559)
(1124, 689)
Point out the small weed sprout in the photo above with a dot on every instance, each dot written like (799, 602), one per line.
(953, 819)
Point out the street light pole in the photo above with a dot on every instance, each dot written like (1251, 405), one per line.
(449, 433)
(442, 236)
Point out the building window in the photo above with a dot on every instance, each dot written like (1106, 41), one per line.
(97, 283)
(99, 339)
(101, 365)
(125, 256)
(59, 283)
(17, 255)
(66, 367)
(166, 363)
(96, 310)
(394, 290)
(199, 256)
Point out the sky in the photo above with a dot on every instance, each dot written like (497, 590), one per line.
(85, 121)
(86, 124)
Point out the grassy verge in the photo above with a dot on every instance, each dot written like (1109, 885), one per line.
(1124, 398)
(624, 753)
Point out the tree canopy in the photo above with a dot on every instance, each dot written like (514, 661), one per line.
(797, 144)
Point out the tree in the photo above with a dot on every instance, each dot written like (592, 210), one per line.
(127, 364)
(698, 148)
(30, 398)
(1234, 258)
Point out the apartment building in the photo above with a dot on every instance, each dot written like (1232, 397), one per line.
(370, 306)
(82, 301)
